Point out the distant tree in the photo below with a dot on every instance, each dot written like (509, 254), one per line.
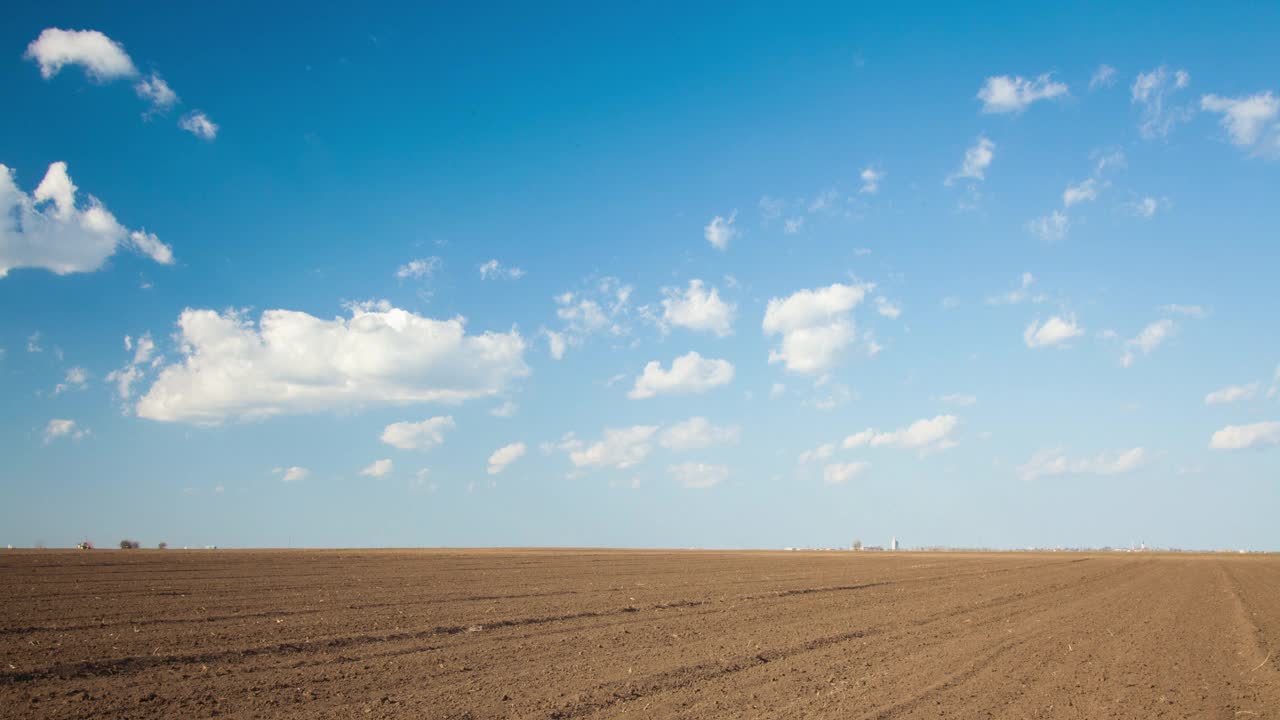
(857, 544)
(130, 544)
(163, 546)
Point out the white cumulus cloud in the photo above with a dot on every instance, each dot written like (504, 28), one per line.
(143, 349)
(841, 473)
(720, 231)
(378, 468)
(494, 270)
(602, 307)
(1231, 393)
(1252, 122)
(931, 433)
(689, 373)
(1245, 437)
(620, 448)
(697, 433)
(1148, 339)
(504, 456)
(422, 435)
(697, 308)
(1084, 192)
(822, 452)
(102, 58)
(1146, 207)
(157, 92)
(815, 325)
(57, 428)
(51, 230)
(888, 308)
(197, 123)
(77, 378)
(292, 362)
(871, 178)
(976, 161)
(419, 268)
(1046, 463)
(1005, 94)
(1055, 331)
(292, 474)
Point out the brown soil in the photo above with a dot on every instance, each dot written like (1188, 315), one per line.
(577, 634)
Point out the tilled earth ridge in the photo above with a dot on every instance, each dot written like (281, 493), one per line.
(645, 634)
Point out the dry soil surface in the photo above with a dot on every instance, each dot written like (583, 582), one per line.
(578, 634)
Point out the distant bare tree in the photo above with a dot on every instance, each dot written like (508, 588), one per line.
(163, 546)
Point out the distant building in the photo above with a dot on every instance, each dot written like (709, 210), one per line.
(893, 543)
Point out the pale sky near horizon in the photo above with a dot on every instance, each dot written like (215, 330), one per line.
(714, 276)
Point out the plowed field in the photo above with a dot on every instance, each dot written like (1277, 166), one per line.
(584, 634)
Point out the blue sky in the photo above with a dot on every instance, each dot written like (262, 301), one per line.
(687, 276)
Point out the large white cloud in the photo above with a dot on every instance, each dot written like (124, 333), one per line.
(1055, 331)
(1005, 94)
(1054, 462)
(698, 475)
(697, 308)
(1251, 122)
(689, 373)
(293, 362)
(815, 325)
(932, 433)
(422, 435)
(102, 58)
(698, 432)
(504, 456)
(49, 229)
(1243, 437)
(105, 60)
